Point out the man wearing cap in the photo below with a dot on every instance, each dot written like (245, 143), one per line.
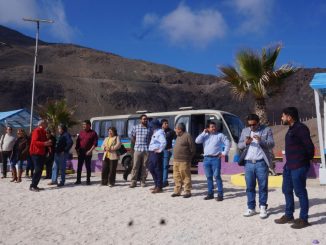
(183, 153)
(155, 157)
(213, 143)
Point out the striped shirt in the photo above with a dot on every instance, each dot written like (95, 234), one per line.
(299, 149)
(142, 135)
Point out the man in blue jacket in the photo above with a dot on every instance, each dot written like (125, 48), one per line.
(215, 146)
(299, 150)
(259, 141)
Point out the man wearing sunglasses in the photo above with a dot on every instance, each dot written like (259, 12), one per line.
(259, 140)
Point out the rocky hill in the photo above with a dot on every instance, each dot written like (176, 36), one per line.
(101, 83)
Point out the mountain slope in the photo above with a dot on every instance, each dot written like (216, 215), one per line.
(102, 83)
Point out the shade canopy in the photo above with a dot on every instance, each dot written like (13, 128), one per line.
(17, 119)
(318, 84)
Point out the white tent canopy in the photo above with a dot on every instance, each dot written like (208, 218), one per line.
(318, 83)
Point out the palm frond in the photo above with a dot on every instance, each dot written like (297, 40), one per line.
(269, 57)
(250, 66)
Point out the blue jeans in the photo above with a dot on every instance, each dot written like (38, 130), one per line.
(212, 168)
(59, 163)
(20, 164)
(256, 171)
(166, 160)
(295, 179)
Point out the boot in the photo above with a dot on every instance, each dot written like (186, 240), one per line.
(14, 175)
(20, 172)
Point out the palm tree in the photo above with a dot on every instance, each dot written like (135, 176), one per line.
(257, 76)
(56, 112)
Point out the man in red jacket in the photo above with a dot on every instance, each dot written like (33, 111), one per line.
(39, 142)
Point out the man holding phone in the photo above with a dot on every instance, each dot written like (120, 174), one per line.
(259, 140)
(215, 145)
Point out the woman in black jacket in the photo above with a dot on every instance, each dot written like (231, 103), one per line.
(19, 155)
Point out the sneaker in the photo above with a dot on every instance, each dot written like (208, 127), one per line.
(219, 198)
(249, 212)
(263, 212)
(209, 197)
(60, 184)
(187, 195)
(284, 220)
(175, 195)
(110, 185)
(143, 184)
(299, 224)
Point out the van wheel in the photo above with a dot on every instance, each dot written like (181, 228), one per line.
(127, 163)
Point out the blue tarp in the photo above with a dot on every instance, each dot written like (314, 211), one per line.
(17, 119)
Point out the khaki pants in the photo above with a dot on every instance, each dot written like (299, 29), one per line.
(140, 160)
(182, 176)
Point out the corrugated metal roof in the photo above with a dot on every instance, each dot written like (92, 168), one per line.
(17, 118)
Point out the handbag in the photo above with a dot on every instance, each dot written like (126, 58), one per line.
(241, 161)
(122, 150)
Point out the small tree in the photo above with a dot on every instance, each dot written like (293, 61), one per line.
(256, 75)
(56, 112)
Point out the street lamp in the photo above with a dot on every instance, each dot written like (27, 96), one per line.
(37, 21)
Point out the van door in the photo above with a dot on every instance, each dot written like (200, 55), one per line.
(195, 124)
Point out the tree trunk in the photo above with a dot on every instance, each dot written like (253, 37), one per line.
(260, 109)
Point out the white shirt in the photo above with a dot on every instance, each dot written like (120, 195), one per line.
(158, 141)
(7, 142)
(255, 152)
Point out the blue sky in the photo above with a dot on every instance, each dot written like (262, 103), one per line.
(193, 35)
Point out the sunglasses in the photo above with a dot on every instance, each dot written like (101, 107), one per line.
(252, 125)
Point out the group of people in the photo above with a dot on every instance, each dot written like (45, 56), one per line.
(152, 148)
(40, 149)
(256, 142)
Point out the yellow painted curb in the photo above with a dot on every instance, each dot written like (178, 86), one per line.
(273, 181)
(68, 171)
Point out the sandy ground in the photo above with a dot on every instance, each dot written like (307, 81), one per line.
(102, 215)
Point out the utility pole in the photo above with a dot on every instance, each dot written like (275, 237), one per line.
(37, 21)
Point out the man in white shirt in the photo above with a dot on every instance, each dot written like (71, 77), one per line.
(155, 158)
(259, 141)
(7, 142)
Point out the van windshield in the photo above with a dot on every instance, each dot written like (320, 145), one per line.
(235, 125)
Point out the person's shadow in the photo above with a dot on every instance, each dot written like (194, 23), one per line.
(312, 202)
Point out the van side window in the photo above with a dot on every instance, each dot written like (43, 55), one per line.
(120, 126)
(104, 128)
(131, 123)
(96, 127)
